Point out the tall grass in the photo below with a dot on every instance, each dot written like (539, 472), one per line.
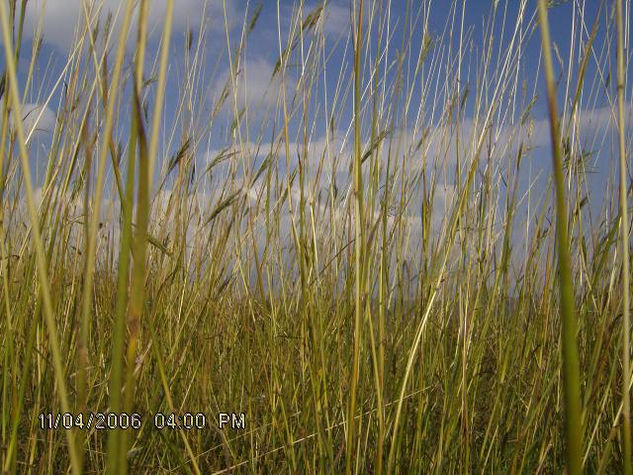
(376, 260)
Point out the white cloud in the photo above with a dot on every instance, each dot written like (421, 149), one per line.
(36, 119)
(189, 14)
(337, 17)
(60, 19)
(256, 86)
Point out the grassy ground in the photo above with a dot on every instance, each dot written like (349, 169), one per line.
(372, 262)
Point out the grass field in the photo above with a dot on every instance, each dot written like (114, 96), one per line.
(399, 246)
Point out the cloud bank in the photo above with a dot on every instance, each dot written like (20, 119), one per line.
(60, 20)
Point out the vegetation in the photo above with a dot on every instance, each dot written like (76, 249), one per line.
(392, 261)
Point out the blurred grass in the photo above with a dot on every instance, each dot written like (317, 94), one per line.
(571, 371)
(384, 298)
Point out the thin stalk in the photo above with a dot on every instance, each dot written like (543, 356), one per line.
(571, 371)
(359, 253)
(116, 372)
(146, 156)
(624, 229)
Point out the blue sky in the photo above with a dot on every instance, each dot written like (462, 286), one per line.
(61, 16)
